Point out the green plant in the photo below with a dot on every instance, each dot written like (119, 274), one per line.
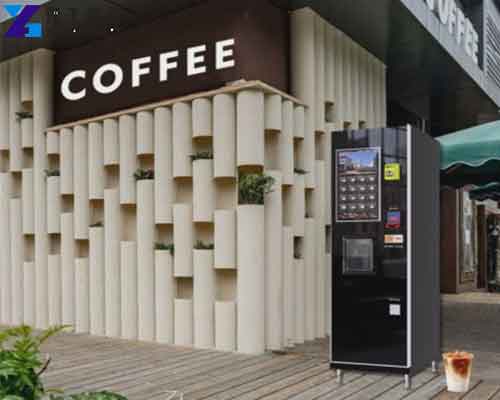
(144, 174)
(52, 172)
(300, 171)
(202, 155)
(199, 245)
(254, 187)
(165, 247)
(24, 115)
(21, 364)
(97, 225)
(297, 255)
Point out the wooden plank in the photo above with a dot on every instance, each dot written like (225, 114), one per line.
(344, 391)
(483, 391)
(445, 395)
(377, 388)
(428, 390)
(399, 391)
(284, 383)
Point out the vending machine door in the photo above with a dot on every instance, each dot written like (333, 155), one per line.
(370, 268)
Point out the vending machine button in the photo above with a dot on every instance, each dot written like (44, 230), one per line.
(362, 188)
(353, 198)
(343, 198)
(343, 207)
(362, 207)
(343, 180)
(343, 189)
(362, 197)
(372, 206)
(372, 197)
(372, 188)
(362, 179)
(352, 188)
(372, 179)
(353, 207)
(352, 179)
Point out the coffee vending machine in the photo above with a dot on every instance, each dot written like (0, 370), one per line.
(386, 299)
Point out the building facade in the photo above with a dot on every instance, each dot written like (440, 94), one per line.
(257, 86)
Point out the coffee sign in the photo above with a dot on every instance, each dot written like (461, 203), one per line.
(141, 69)
(199, 49)
(459, 26)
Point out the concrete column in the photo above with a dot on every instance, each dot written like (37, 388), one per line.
(250, 128)
(204, 298)
(224, 140)
(97, 280)
(164, 296)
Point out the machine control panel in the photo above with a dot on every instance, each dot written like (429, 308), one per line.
(358, 184)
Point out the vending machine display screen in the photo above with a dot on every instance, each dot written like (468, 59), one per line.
(358, 185)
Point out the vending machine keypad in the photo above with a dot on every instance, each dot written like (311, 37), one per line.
(358, 180)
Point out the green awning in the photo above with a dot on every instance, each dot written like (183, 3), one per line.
(490, 191)
(471, 156)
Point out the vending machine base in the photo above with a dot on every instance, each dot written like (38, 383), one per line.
(386, 299)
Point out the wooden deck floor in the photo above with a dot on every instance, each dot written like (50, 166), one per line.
(144, 371)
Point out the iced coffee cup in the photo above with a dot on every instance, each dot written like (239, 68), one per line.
(458, 369)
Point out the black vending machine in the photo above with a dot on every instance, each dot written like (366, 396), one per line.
(386, 300)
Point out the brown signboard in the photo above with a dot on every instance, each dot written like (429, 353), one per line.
(197, 49)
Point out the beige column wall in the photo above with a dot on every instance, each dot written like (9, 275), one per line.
(103, 225)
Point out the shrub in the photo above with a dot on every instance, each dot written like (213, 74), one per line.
(166, 247)
(300, 171)
(199, 245)
(254, 187)
(144, 174)
(21, 367)
(23, 115)
(202, 155)
(52, 172)
(97, 225)
(21, 364)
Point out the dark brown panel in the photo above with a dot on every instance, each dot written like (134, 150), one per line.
(261, 52)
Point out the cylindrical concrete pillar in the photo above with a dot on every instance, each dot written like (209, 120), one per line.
(96, 161)
(4, 106)
(329, 63)
(164, 180)
(204, 298)
(15, 140)
(68, 269)
(55, 285)
(27, 79)
(251, 279)
(203, 191)
(202, 117)
(66, 161)
(319, 50)
(129, 290)
(53, 143)
(224, 140)
(97, 281)
(301, 318)
(128, 159)
(112, 231)
(5, 281)
(182, 140)
(27, 133)
(164, 296)
(225, 325)
(82, 315)
(225, 239)
(145, 133)
(299, 205)
(310, 280)
(183, 240)
(320, 248)
(81, 181)
(289, 294)
(29, 300)
(28, 185)
(17, 260)
(273, 113)
(54, 204)
(299, 122)
(250, 128)
(145, 258)
(111, 142)
(274, 264)
(286, 156)
(183, 322)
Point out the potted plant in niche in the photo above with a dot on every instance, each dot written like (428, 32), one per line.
(144, 174)
(52, 172)
(202, 155)
(21, 115)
